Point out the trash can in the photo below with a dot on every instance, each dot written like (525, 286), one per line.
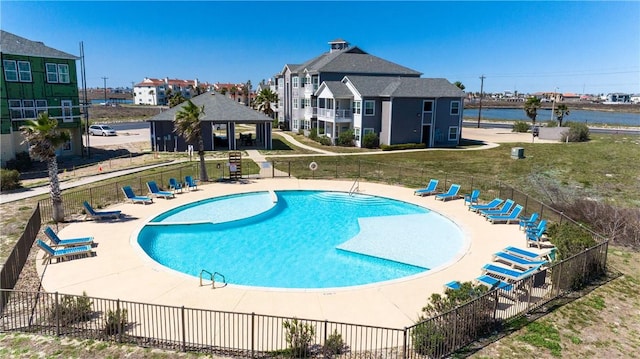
(517, 153)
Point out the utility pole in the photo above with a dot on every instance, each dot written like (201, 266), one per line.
(105, 89)
(481, 93)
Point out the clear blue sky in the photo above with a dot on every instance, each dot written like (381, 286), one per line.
(579, 47)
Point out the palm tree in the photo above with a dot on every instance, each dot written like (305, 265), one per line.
(560, 112)
(459, 85)
(233, 92)
(531, 107)
(188, 125)
(264, 100)
(44, 138)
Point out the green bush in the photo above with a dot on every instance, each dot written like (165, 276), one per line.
(71, 309)
(334, 344)
(21, 163)
(370, 140)
(578, 132)
(299, 337)
(313, 134)
(9, 179)
(324, 140)
(520, 126)
(403, 146)
(569, 239)
(345, 139)
(116, 320)
(552, 123)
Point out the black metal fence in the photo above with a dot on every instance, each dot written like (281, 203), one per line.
(18, 257)
(256, 335)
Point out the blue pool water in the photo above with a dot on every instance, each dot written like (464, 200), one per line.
(301, 239)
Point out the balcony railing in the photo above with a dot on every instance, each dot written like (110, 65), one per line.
(335, 115)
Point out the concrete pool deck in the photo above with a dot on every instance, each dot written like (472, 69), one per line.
(120, 271)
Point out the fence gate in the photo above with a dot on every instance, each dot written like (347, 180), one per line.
(235, 165)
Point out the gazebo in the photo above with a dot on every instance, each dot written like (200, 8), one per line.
(221, 117)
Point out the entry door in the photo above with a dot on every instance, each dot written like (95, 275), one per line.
(426, 135)
(67, 113)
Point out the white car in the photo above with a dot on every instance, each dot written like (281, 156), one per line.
(101, 130)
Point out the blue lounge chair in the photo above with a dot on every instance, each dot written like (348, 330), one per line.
(191, 183)
(542, 225)
(535, 238)
(491, 205)
(506, 290)
(156, 192)
(175, 185)
(98, 215)
(511, 217)
(517, 262)
(429, 190)
(472, 198)
(71, 242)
(128, 192)
(508, 273)
(502, 211)
(526, 223)
(64, 253)
(531, 256)
(454, 284)
(452, 193)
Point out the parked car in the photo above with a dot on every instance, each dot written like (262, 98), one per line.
(101, 130)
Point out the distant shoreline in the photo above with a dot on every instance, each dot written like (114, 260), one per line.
(624, 108)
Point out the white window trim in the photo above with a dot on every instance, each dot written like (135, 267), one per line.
(295, 80)
(10, 69)
(373, 109)
(21, 72)
(455, 137)
(66, 74)
(357, 107)
(368, 130)
(356, 133)
(457, 108)
(295, 103)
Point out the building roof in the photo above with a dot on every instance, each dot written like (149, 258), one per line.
(16, 45)
(387, 86)
(218, 109)
(352, 60)
(338, 89)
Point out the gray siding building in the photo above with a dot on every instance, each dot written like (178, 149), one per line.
(349, 89)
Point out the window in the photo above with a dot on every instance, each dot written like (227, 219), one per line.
(356, 133)
(41, 106)
(295, 124)
(10, 70)
(295, 81)
(15, 109)
(455, 108)
(369, 108)
(29, 108)
(357, 107)
(295, 103)
(453, 133)
(24, 71)
(57, 73)
(368, 130)
(427, 106)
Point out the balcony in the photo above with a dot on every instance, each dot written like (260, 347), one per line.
(336, 116)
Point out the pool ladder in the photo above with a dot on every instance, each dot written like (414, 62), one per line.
(355, 187)
(212, 278)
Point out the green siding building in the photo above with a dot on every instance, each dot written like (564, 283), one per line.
(36, 78)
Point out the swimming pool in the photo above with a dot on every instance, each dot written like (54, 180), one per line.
(301, 239)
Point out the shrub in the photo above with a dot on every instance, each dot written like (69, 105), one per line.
(299, 336)
(71, 309)
(370, 140)
(345, 139)
(334, 344)
(313, 134)
(552, 123)
(520, 126)
(21, 163)
(9, 179)
(403, 146)
(431, 337)
(578, 132)
(116, 320)
(569, 239)
(324, 140)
